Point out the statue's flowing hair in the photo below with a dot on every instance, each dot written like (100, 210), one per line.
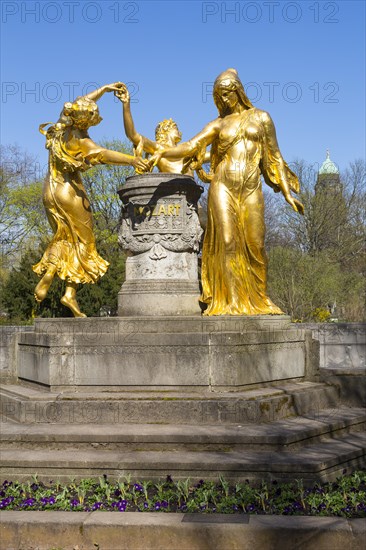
(230, 80)
(79, 113)
(162, 130)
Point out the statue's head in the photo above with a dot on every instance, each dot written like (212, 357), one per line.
(226, 83)
(83, 112)
(167, 131)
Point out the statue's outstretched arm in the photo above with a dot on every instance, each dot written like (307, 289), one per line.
(95, 154)
(131, 132)
(197, 143)
(97, 94)
(275, 170)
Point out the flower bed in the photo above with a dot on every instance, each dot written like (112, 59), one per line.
(344, 498)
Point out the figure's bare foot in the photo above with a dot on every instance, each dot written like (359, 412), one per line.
(40, 292)
(72, 304)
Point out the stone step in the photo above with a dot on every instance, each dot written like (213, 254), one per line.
(182, 531)
(322, 461)
(31, 405)
(292, 433)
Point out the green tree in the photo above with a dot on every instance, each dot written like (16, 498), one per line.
(318, 260)
(23, 221)
(300, 283)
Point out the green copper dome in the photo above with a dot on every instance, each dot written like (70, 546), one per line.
(328, 166)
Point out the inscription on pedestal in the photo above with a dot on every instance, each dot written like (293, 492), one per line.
(161, 233)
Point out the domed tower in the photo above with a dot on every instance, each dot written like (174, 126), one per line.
(329, 207)
(328, 177)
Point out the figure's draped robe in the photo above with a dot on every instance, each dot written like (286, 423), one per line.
(234, 263)
(72, 250)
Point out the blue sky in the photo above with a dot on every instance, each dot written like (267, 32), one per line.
(303, 62)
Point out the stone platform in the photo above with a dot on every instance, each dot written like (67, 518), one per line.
(288, 431)
(197, 397)
(167, 353)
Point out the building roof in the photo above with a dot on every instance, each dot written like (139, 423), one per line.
(328, 166)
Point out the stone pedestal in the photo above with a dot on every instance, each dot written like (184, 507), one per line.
(164, 353)
(161, 234)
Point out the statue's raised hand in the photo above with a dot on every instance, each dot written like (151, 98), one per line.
(123, 94)
(114, 87)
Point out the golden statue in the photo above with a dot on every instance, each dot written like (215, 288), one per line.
(167, 135)
(72, 253)
(244, 146)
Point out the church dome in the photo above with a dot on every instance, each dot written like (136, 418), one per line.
(328, 166)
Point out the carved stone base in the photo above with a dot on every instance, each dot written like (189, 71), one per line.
(159, 297)
(166, 353)
(161, 234)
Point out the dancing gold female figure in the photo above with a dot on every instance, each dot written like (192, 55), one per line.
(72, 253)
(244, 146)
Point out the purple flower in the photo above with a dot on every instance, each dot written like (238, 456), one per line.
(120, 504)
(235, 507)
(34, 487)
(138, 487)
(117, 492)
(157, 505)
(164, 504)
(146, 505)
(169, 479)
(6, 501)
(28, 502)
(97, 505)
(47, 500)
(74, 502)
(251, 507)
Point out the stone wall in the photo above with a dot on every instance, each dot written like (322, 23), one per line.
(342, 345)
(8, 350)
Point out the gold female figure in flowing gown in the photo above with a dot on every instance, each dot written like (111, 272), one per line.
(244, 146)
(72, 253)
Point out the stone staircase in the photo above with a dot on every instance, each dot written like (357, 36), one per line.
(287, 431)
